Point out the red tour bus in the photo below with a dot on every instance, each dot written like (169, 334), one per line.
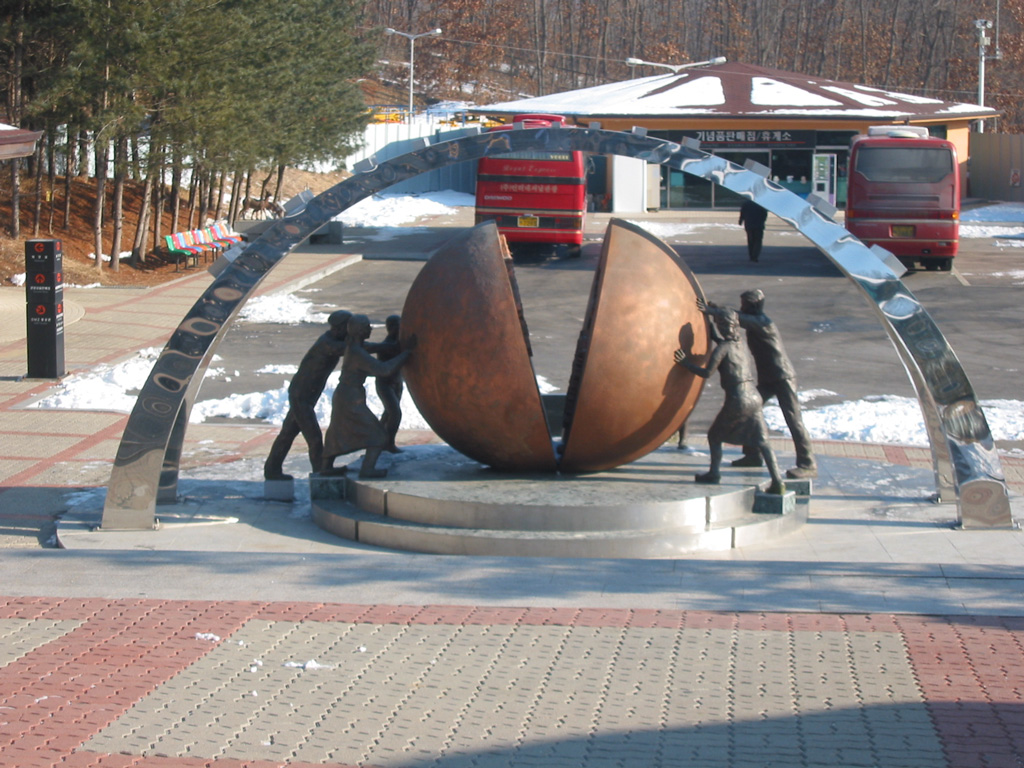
(535, 196)
(904, 194)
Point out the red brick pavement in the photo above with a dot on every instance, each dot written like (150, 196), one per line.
(54, 697)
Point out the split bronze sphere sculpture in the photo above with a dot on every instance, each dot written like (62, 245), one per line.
(473, 380)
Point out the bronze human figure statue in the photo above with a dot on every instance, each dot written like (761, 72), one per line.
(775, 377)
(353, 425)
(389, 388)
(305, 389)
(741, 420)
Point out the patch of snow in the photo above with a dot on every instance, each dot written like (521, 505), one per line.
(396, 210)
(105, 387)
(282, 309)
(311, 664)
(1005, 212)
(892, 419)
(767, 92)
(975, 231)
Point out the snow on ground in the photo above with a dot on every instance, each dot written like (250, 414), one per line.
(1006, 212)
(891, 419)
(977, 231)
(881, 418)
(396, 210)
(106, 387)
(280, 309)
(272, 406)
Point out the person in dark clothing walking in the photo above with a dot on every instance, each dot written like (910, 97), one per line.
(753, 217)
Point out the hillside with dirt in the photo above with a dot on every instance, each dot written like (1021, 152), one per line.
(77, 237)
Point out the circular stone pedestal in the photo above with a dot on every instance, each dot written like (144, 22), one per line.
(435, 500)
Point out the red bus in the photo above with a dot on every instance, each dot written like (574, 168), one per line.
(535, 196)
(904, 194)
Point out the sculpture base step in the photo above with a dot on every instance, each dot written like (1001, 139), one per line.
(435, 500)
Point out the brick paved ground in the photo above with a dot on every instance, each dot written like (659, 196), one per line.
(230, 684)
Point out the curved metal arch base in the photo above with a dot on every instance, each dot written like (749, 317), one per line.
(966, 464)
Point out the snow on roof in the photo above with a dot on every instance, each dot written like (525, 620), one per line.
(737, 90)
(16, 142)
(773, 93)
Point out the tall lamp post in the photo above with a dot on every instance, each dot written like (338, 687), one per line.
(675, 67)
(982, 25)
(412, 53)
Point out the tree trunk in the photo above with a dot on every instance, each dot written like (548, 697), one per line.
(211, 199)
(120, 170)
(14, 105)
(51, 176)
(83, 155)
(175, 189)
(280, 182)
(71, 160)
(220, 194)
(15, 198)
(193, 194)
(142, 228)
(236, 202)
(202, 194)
(101, 193)
(159, 196)
(38, 213)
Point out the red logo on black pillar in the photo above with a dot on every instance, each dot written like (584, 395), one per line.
(40, 279)
(40, 309)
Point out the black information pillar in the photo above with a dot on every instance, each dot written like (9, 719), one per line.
(44, 297)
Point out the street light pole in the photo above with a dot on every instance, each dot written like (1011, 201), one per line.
(675, 68)
(983, 25)
(412, 54)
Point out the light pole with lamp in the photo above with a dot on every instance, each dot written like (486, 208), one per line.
(675, 67)
(983, 25)
(412, 51)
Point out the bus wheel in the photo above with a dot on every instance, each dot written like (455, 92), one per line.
(573, 250)
(931, 264)
(945, 264)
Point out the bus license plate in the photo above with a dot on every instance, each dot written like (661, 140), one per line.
(529, 221)
(902, 230)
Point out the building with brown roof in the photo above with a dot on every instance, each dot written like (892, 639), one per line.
(798, 126)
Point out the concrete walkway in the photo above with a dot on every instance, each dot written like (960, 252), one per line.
(238, 634)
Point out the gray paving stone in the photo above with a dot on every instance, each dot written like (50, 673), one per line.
(421, 693)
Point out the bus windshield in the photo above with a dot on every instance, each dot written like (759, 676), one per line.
(904, 164)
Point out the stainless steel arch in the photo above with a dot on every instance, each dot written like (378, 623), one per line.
(966, 464)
